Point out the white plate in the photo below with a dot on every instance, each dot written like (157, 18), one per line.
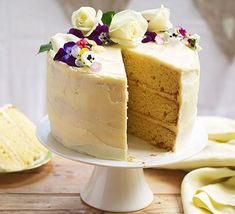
(143, 154)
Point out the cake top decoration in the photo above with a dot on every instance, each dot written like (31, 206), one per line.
(127, 28)
(79, 54)
(86, 19)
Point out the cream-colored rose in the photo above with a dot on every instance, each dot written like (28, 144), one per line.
(86, 19)
(159, 19)
(128, 28)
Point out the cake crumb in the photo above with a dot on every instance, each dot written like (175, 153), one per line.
(130, 158)
(153, 155)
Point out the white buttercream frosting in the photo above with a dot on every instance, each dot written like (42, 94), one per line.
(87, 110)
(174, 54)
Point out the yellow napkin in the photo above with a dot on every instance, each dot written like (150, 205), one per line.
(220, 150)
(209, 190)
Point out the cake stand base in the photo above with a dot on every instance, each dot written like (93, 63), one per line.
(117, 189)
(120, 186)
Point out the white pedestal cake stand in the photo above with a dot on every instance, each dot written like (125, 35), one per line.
(120, 186)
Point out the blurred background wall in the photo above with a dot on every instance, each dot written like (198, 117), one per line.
(25, 24)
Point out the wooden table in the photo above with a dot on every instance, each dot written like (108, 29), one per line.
(54, 188)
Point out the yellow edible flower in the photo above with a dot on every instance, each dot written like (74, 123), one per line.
(83, 50)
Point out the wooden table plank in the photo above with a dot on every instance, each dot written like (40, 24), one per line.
(55, 188)
(66, 203)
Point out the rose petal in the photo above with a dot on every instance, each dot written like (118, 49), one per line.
(76, 32)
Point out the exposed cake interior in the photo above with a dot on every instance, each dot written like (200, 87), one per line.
(153, 105)
(19, 147)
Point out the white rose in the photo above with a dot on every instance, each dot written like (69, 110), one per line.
(86, 19)
(128, 28)
(159, 19)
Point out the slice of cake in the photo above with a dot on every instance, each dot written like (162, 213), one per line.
(92, 69)
(19, 147)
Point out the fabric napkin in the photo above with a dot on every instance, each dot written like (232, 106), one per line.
(209, 190)
(220, 149)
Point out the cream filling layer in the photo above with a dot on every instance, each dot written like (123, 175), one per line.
(171, 97)
(13, 152)
(171, 127)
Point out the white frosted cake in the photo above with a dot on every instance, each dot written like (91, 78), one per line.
(119, 73)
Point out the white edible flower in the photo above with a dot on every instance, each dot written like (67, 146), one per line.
(167, 36)
(86, 19)
(159, 19)
(88, 57)
(159, 40)
(128, 28)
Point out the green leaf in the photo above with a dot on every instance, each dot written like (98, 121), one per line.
(45, 47)
(107, 17)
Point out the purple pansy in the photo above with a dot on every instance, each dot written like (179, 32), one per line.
(149, 37)
(76, 32)
(65, 54)
(101, 35)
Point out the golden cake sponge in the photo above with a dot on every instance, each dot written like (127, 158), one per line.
(19, 147)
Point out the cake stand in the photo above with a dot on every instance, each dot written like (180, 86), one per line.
(120, 186)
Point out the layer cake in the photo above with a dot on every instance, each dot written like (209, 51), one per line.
(19, 147)
(140, 82)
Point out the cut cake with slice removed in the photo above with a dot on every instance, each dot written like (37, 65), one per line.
(88, 110)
